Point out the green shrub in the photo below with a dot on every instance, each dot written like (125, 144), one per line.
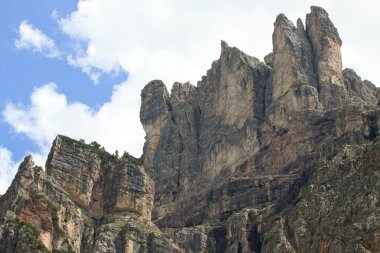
(278, 217)
(55, 220)
(94, 147)
(332, 155)
(31, 235)
(127, 157)
(297, 200)
(99, 150)
(19, 201)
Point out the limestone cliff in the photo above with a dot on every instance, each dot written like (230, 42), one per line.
(338, 211)
(273, 156)
(87, 201)
(234, 150)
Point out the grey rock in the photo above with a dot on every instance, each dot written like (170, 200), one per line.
(292, 57)
(249, 136)
(193, 127)
(358, 89)
(246, 161)
(338, 211)
(88, 202)
(99, 182)
(268, 59)
(326, 44)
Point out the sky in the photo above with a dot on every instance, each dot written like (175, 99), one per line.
(77, 67)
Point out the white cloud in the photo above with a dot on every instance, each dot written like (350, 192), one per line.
(32, 38)
(178, 40)
(173, 41)
(49, 114)
(8, 169)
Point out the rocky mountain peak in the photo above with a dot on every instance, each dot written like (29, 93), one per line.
(318, 17)
(154, 96)
(250, 134)
(232, 54)
(282, 20)
(28, 163)
(98, 181)
(257, 157)
(292, 58)
(300, 26)
(87, 201)
(326, 45)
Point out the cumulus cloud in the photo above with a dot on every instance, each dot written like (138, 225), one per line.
(50, 114)
(8, 169)
(172, 41)
(177, 40)
(32, 38)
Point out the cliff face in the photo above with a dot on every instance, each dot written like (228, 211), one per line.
(232, 151)
(99, 182)
(87, 201)
(274, 156)
(338, 211)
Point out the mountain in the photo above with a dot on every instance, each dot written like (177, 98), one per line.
(274, 156)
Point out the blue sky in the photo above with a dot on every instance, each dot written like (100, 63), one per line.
(77, 67)
(21, 71)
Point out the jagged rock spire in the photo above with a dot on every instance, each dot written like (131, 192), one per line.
(221, 158)
(292, 57)
(305, 60)
(326, 46)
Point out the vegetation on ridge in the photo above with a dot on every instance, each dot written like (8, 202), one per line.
(30, 235)
(101, 152)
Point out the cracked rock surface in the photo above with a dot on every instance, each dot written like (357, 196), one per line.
(274, 156)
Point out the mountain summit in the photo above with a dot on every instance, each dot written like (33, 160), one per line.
(274, 156)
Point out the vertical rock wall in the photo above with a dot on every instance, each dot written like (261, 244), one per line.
(88, 201)
(223, 163)
(99, 182)
(250, 134)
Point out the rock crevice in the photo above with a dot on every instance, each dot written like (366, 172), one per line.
(274, 156)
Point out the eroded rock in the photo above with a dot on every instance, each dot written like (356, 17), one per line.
(223, 163)
(89, 201)
(338, 211)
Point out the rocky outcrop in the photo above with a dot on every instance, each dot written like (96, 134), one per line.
(190, 133)
(307, 67)
(292, 57)
(250, 135)
(99, 182)
(294, 80)
(88, 201)
(364, 91)
(326, 45)
(280, 156)
(338, 211)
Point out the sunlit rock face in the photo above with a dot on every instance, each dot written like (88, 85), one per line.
(273, 156)
(249, 135)
(87, 201)
(338, 211)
